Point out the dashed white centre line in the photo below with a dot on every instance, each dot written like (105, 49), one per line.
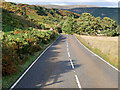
(67, 49)
(67, 46)
(72, 64)
(78, 82)
(76, 77)
(68, 54)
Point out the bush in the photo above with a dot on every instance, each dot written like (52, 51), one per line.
(19, 44)
(59, 30)
(112, 33)
(43, 27)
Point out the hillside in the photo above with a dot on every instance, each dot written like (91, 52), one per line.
(66, 6)
(24, 16)
(26, 34)
(101, 12)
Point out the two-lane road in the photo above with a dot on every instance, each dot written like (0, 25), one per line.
(67, 64)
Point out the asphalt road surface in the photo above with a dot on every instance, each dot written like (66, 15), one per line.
(67, 64)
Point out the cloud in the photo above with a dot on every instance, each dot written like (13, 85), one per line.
(63, 0)
(112, 0)
(101, 3)
(58, 3)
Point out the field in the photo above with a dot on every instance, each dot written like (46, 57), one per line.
(106, 47)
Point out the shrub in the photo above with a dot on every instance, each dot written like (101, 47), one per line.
(43, 27)
(19, 44)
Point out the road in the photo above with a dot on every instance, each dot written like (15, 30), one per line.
(67, 64)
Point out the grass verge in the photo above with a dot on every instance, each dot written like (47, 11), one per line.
(98, 52)
(7, 81)
(64, 34)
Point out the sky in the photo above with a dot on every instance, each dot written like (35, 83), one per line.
(101, 3)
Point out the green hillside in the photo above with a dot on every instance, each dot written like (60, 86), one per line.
(98, 12)
(24, 16)
(26, 33)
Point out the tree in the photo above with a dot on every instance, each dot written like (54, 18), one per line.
(43, 26)
(87, 24)
(59, 30)
(118, 30)
(108, 26)
(69, 26)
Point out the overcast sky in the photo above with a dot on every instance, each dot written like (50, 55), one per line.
(104, 3)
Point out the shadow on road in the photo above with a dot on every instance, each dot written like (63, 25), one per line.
(56, 64)
(49, 70)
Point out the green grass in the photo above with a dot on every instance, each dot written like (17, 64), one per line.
(7, 81)
(97, 51)
(64, 34)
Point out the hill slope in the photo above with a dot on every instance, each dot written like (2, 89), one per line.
(24, 16)
(98, 12)
(66, 6)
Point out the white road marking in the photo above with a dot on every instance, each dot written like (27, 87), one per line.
(93, 55)
(78, 82)
(32, 65)
(98, 56)
(67, 45)
(67, 49)
(68, 54)
(72, 64)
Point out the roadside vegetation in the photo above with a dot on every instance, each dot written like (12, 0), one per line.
(18, 45)
(26, 29)
(105, 32)
(87, 24)
(20, 48)
(26, 33)
(105, 47)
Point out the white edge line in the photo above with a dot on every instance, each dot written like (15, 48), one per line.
(98, 56)
(78, 82)
(32, 65)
